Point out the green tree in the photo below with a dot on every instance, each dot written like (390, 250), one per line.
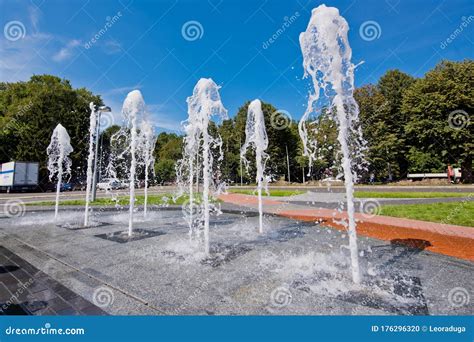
(165, 170)
(439, 107)
(168, 150)
(29, 111)
(383, 124)
(280, 138)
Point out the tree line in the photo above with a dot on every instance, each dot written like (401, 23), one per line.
(410, 124)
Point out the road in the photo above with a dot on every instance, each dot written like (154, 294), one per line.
(49, 196)
(74, 195)
(380, 188)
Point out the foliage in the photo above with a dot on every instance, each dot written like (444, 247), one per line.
(165, 170)
(280, 139)
(421, 162)
(168, 150)
(383, 124)
(407, 123)
(430, 102)
(29, 112)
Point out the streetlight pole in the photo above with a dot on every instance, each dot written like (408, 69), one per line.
(100, 159)
(240, 160)
(94, 177)
(288, 163)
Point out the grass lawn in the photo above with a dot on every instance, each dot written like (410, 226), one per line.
(376, 194)
(458, 213)
(123, 200)
(273, 192)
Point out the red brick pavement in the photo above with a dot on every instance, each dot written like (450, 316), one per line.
(456, 241)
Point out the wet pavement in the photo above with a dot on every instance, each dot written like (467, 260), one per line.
(293, 268)
(25, 290)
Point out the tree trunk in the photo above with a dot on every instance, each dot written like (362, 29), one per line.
(466, 170)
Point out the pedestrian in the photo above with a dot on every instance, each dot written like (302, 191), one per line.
(372, 178)
(390, 176)
(450, 174)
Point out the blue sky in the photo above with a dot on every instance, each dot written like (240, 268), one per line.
(143, 44)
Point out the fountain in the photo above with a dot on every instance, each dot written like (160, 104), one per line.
(133, 107)
(147, 147)
(58, 162)
(256, 137)
(327, 60)
(244, 273)
(90, 160)
(202, 105)
(125, 145)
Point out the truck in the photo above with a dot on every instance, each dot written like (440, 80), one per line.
(19, 176)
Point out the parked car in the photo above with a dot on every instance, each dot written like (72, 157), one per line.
(52, 187)
(67, 186)
(110, 185)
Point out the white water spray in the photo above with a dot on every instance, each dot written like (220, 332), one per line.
(90, 160)
(202, 105)
(147, 146)
(133, 109)
(256, 137)
(59, 163)
(327, 60)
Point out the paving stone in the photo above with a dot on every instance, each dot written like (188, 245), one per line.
(311, 261)
(32, 292)
(66, 294)
(122, 236)
(79, 303)
(68, 312)
(37, 286)
(93, 310)
(4, 293)
(44, 295)
(15, 309)
(35, 305)
(9, 280)
(58, 304)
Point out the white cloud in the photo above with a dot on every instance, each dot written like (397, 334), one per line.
(67, 51)
(121, 90)
(32, 54)
(21, 58)
(111, 47)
